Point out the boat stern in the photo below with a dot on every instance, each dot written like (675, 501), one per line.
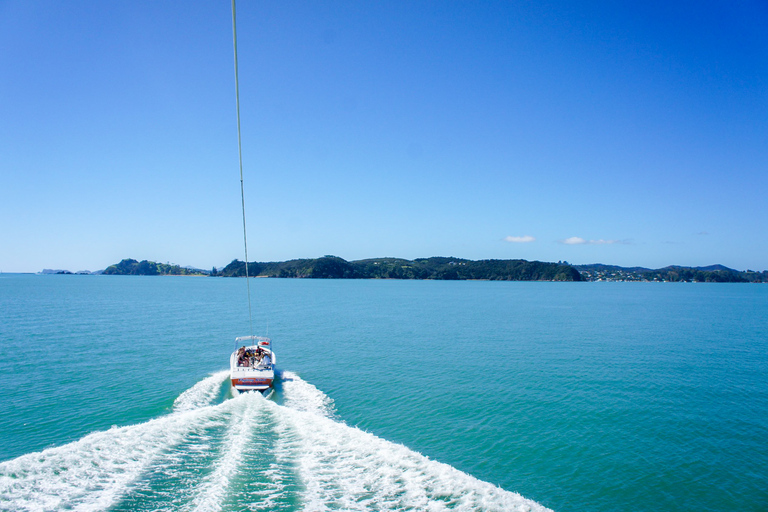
(253, 380)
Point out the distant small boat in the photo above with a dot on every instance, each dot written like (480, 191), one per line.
(252, 366)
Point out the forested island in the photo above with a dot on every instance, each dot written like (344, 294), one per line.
(130, 267)
(395, 268)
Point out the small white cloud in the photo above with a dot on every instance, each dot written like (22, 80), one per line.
(575, 240)
(702, 233)
(519, 239)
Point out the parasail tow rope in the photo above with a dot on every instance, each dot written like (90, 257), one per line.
(240, 153)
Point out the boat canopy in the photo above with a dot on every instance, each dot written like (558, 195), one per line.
(260, 339)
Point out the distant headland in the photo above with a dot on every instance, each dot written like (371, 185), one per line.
(674, 273)
(438, 268)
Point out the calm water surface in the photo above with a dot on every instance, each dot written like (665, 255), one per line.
(394, 395)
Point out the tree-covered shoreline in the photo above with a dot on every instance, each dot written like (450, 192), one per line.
(131, 267)
(671, 274)
(435, 268)
(442, 268)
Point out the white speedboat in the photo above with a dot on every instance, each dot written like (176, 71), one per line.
(252, 366)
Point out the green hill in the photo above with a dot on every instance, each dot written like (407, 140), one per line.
(130, 267)
(395, 268)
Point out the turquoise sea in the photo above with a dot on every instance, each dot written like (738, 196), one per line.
(393, 395)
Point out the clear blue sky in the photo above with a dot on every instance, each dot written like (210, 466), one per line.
(629, 133)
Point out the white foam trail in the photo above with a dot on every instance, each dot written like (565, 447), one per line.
(303, 396)
(95, 471)
(212, 491)
(275, 487)
(91, 473)
(201, 394)
(345, 468)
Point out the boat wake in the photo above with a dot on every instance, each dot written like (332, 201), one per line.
(247, 453)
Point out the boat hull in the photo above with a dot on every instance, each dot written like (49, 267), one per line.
(252, 381)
